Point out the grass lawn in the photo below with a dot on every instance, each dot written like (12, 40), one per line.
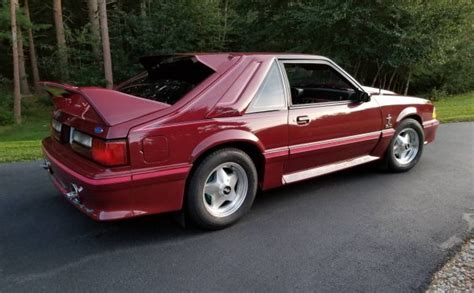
(22, 142)
(456, 108)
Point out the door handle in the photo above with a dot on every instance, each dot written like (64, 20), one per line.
(301, 120)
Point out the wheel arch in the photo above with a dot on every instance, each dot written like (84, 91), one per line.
(238, 139)
(410, 112)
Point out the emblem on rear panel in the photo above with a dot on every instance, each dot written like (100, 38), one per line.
(389, 121)
(98, 130)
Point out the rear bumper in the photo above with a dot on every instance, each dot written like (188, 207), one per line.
(104, 195)
(430, 127)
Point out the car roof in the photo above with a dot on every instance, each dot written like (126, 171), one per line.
(285, 54)
(280, 55)
(214, 59)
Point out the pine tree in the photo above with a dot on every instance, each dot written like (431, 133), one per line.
(105, 43)
(16, 66)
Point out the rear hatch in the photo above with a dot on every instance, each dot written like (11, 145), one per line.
(83, 117)
(95, 121)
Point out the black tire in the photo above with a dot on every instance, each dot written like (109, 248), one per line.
(195, 205)
(391, 162)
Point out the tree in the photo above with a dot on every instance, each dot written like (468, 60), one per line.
(379, 42)
(104, 29)
(16, 66)
(60, 38)
(24, 87)
(93, 10)
(32, 49)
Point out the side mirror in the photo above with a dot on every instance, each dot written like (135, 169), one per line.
(362, 97)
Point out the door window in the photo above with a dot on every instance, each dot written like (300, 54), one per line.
(312, 83)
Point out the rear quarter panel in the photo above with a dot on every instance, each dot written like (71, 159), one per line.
(185, 142)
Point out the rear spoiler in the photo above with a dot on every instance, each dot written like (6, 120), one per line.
(58, 89)
(110, 106)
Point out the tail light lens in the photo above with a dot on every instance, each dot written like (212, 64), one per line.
(104, 152)
(109, 153)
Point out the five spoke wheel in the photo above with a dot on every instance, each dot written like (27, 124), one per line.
(406, 146)
(221, 188)
(225, 189)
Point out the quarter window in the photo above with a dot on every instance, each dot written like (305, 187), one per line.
(271, 94)
(317, 83)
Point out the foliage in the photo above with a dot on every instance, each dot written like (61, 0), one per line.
(378, 41)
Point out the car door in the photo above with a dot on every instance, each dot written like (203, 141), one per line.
(326, 124)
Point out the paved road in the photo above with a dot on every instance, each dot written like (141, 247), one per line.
(359, 230)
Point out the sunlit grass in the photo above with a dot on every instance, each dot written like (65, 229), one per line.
(11, 151)
(456, 108)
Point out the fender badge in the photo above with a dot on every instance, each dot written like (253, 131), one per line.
(98, 130)
(389, 121)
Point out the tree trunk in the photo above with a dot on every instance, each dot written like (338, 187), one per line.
(16, 66)
(391, 79)
(32, 49)
(379, 68)
(143, 8)
(93, 8)
(224, 32)
(60, 38)
(24, 87)
(384, 81)
(356, 69)
(104, 29)
(408, 83)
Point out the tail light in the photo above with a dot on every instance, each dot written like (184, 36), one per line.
(104, 152)
(109, 153)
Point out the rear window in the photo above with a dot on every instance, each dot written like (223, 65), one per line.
(166, 79)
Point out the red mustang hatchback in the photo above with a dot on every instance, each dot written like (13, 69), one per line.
(203, 132)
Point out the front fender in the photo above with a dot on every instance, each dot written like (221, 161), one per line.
(226, 137)
(409, 111)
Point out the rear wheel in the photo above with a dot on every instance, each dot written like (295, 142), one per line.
(221, 189)
(406, 146)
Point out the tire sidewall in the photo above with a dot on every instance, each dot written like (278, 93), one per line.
(393, 164)
(194, 194)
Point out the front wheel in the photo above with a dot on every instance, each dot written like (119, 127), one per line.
(406, 146)
(221, 189)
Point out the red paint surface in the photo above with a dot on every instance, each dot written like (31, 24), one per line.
(165, 141)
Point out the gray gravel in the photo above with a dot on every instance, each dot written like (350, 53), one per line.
(358, 230)
(458, 273)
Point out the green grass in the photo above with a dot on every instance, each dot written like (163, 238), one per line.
(22, 142)
(456, 108)
(25, 150)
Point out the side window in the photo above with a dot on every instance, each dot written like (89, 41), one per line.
(271, 94)
(316, 83)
